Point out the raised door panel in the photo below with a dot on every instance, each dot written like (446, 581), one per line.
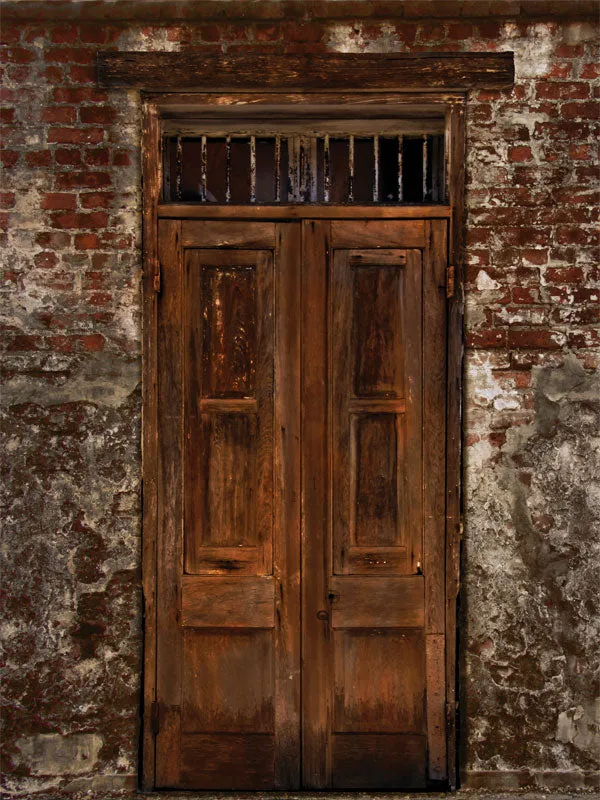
(376, 414)
(229, 412)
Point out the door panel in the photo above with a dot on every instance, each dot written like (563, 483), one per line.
(301, 392)
(229, 682)
(228, 412)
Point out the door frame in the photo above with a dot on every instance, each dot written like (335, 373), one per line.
(156, 108)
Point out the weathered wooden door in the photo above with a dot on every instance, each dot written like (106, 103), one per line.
(301, 429)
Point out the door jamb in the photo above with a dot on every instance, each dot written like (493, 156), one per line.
(154, 108)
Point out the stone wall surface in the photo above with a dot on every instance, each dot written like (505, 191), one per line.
(70, 400)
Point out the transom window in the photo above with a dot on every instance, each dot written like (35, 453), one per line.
(394, 164)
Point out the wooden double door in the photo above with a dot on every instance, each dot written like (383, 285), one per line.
(301, 392)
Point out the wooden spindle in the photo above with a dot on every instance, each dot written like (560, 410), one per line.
(179, 168)
(400, 154)
(228, 169)
(203, 165)
(253, 169)
(326, 171)
(375, 169)
(351, 169)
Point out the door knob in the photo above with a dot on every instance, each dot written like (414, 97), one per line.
(323, 616)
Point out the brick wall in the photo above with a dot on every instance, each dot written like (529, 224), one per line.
(71, 395)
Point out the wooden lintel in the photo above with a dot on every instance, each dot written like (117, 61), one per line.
(169, 71)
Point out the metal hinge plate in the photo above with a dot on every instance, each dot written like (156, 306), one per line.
(450, 281)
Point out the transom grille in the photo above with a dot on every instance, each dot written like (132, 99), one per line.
(346, 168)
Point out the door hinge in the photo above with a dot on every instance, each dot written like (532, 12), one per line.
(157, 279)
(154, 717)
(449, 281)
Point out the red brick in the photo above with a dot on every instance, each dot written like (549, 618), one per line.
(52, 74)
(97, 199)
(60, 344)
(45, 260)
(97, 219)
(7, 199)
(78, 94)
(569, 51)
(98, 157)
(76, 135)
(520, 153)
(79, 74)
(10, 32)
(63, 34)
(535, 256)
(7, 116)
(486, 338)
(59, 200)
(97, 115)
(87, 241)
(54, 240)
(210, 33)
(561, 275)
(100, 299)
(68, 156)
(82, 180)
(70, 55)
(93, 34)
(562, 91)
(460, 30)
(590, 70)
(523, 294)
(93, 342)
(267, 33)
(9, 158)
(582, 152)
(532, 340)
(588, 110)
(17, 55)
(63, 114)
(24, 342)
(303, 33)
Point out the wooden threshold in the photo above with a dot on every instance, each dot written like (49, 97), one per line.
(197, 211)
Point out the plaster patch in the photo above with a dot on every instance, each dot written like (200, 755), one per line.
(53, 754)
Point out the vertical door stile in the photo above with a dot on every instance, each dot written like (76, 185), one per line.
(170, 496)
(434, 438)
(287, 506)
(316, 695)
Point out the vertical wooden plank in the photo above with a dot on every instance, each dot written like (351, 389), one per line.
(434, 437)
(413, 360)
(170, 534)
(317, 679)
(151, 167)
(456, 176)
(287, 505)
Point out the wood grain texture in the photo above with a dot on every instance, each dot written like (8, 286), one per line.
(228, 602)
(165, 71)
(435, 648)
(317, 675)
(228, 449)
(195, 211)
(374, 233)
(287, 486)
(454, 418)
(227, 682)
(379, 681)
(170, 483)
(228, 762)
(379, 761)
(151, 144)
(434, 424)
(361, 602)
(248, 236)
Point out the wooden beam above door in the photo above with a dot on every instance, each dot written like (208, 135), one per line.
(167, 71)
